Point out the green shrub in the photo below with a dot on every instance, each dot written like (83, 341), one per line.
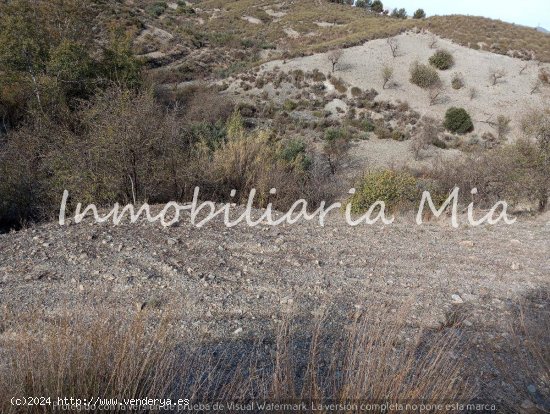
(317, 76)
(368, 126)
(399, 13)
(419, 14)
(290, 105)
(377, 6)
(382, 132)
(442, 60)
(395, 188)
(355, 91)
(158, 8)
(439, 143)
(457, 120)
(423, 75)
(398, 135)
(338, 84)
(294, 151)
(334, 134)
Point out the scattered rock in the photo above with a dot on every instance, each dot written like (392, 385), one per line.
(457, 299)
(172, 241)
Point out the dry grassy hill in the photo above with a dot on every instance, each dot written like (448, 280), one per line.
(295, 27)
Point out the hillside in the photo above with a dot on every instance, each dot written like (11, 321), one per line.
(271, 107)
(294, 27)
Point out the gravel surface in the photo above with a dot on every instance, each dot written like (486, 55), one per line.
(224, 279)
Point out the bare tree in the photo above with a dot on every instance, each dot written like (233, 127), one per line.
(334, 57)
(434, 92)
(502, 126)
(394, 46)
(472, 93)
(544, 76)
(426, 136)
(433, 42)
(535, 87)
(523, 68)
(387, 75)
(496, 74)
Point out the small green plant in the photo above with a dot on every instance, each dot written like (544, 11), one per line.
(368, 126)
(383, 132)
(439, 143)
(442, 60)
(387, 75)
(290, 105)
(355, 91)
(158, 8)
(338, 84)
(423, 75)
(398, 135)
(317, 75)
(457, 120)
(294, 151)
(394, 188)
(334, 134)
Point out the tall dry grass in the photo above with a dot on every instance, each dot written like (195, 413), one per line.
(375, 359)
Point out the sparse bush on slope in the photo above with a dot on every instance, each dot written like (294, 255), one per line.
(423, 75)
(517, 173)
(457, 81)
(442, 60)
(457, 120)
(335, 147)
(397, 189)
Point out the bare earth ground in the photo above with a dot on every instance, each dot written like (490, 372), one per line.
(223, 279)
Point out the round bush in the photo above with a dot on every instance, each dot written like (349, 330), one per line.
(442, 60)
(423, 75)
(457, 120)
(395, 188)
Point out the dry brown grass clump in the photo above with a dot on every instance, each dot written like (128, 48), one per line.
(377, 359)
(494, 35)
(344, 26)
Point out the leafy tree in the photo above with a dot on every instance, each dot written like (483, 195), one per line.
(119, 65)
(363, 3)
(49, 58)
(419, 14)
(377, 6)
(399, 13)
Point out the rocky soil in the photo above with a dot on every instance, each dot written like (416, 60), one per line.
(229, 282)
